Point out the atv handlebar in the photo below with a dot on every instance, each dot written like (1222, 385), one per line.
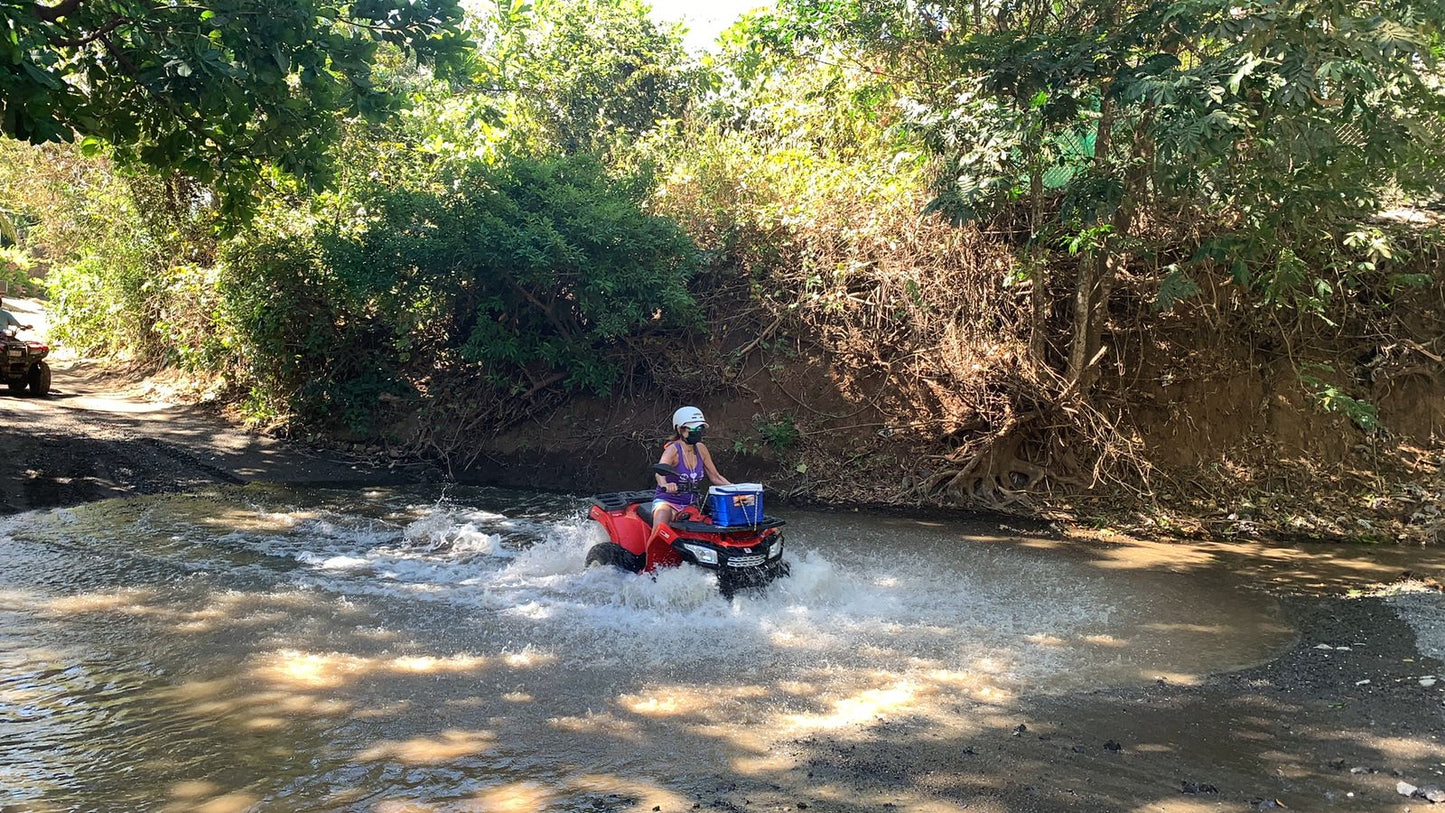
(697, 489)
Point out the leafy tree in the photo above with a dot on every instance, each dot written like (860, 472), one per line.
(219, 89)
(1279, 120)
(584, 75)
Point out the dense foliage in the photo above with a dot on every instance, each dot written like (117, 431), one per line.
(988, 217)
(517, 278)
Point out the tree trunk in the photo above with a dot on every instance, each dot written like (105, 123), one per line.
(1083, 318)
(1095, 272)
(1038, 274)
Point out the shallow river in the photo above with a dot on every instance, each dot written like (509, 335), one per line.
(419, 650)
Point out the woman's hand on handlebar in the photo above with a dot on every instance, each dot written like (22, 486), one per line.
(670, 488)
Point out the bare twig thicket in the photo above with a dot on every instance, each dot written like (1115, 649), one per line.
(918, 314)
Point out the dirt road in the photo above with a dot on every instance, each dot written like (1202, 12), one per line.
(96, 436)
(91, 439)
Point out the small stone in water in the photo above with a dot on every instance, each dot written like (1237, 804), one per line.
(1019, 729)
(1405, 788)
(1113, 746)
(1199, 787)
(1427, 681)
(1432, 793)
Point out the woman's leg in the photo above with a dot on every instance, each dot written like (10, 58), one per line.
(661, 515)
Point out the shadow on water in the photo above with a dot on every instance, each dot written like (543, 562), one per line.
(384, 650)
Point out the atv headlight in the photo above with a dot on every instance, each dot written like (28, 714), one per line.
(776, 550)
(704, 556)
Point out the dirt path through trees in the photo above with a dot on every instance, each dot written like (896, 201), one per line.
(97, 436)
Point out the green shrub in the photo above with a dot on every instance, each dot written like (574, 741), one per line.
(532, 274)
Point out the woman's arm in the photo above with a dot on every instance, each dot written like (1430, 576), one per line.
(669, 457)
(717, 479)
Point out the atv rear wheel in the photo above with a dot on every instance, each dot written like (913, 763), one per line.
(39, 379)
(614, 555)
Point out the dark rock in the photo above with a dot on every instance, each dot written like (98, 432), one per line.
(1434, 794)
(1019, 729)
(1266, 804)
(1113, 746)
(1079, 749)
(1198, 787)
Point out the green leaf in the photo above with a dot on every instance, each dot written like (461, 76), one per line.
(1174, 287)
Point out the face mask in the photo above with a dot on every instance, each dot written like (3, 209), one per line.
(694, 435)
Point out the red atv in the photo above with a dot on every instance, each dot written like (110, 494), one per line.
(744, 555)
(24, 365)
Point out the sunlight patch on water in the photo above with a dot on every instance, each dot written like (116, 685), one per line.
(448, 746)
(313, 670)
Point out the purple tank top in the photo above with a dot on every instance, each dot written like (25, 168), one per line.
(684, 479)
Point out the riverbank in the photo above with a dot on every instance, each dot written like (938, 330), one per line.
(1335, 723)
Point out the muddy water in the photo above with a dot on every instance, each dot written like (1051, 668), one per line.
(408, 650)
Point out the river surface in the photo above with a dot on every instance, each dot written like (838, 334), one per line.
(390, 650)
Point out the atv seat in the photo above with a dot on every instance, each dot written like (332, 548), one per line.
(644, 512)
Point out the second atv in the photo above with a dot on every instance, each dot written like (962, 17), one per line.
(24, 365)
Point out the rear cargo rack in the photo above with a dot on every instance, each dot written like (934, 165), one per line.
(619, 500)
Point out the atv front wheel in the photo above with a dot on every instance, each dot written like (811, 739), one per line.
(39, 379)
(614, 555)
(16, 387)
(729, 581)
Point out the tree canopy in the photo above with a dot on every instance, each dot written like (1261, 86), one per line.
(217, 89)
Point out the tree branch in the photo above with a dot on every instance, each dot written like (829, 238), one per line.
(92, 37)
(50, 14)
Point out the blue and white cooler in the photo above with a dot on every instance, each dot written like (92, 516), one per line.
(736, 504)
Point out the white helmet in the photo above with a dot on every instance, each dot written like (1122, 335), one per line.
(688, 416)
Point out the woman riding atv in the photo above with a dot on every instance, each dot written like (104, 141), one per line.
(689, 456)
